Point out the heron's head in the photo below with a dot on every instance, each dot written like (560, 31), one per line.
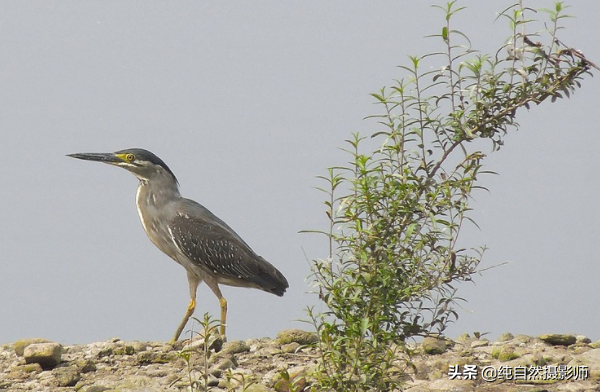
(142, 163)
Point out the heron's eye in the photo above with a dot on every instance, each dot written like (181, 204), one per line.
(130, 157)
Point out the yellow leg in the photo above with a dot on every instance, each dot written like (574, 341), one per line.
(190, 310)
(193, 282)
(223, 303)
(214, 286)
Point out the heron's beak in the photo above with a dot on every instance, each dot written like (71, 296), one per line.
(103, 157)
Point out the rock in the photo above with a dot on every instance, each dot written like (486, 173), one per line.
(223, 364)
(126, 349)
(523, 339)
(48, 355)
(94, 388)
(236, 347)
(148, 357)
(445, 384)
(106, 352)
(66, 376)
(504, 353)
(582, 339)
(212, 381)
(592, 360)
(556, 339)
(20, 345)
(434, 346)
(505, 337)
(290, 347)
(24, 371)
(480, 343)
(297, 335)
(140, 346)
(85, 365)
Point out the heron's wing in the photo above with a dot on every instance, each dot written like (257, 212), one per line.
(214, 248)
(197, 211)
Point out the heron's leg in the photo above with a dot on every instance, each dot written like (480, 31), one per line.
(193, 281)
(222, 302)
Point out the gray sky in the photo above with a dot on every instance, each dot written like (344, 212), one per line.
(248, 102)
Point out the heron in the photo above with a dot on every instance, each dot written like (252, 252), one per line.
(208, 249)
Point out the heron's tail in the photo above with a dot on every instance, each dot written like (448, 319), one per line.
(270, 279)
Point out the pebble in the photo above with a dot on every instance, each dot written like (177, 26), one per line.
(115, 365)
(434, 346)
(556, 339)
(297, 335)
(479, 343)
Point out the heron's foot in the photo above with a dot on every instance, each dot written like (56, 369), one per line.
(188, 313)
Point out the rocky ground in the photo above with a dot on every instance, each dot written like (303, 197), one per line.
(513, 363)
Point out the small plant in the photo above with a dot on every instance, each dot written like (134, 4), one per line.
(397, 208)
(480, 335)
(292, 384)
(208, 335)
(241, 379)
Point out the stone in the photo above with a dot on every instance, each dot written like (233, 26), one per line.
(224, 364)
(592, 360)
(106, 352)
(148, 357)
(505, 337)
(268, 351)
(126, 349)
(85, 365)
(290, 347)
(48, 355)
(504, 353)
(445, 384)
(139, 346)
(479, 343)
(32, 368)
(523, 339)
(94, 388)
(212, 381)
(236, 347)
(582, 339)
(23, 371)
(66, 376)
(20, 345)
(556, 339)
(434, 346)
(297, 335)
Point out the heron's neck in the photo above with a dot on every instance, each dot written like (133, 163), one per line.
(156, 194)
(154, 203)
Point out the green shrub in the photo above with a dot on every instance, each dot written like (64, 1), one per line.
(397, 208)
